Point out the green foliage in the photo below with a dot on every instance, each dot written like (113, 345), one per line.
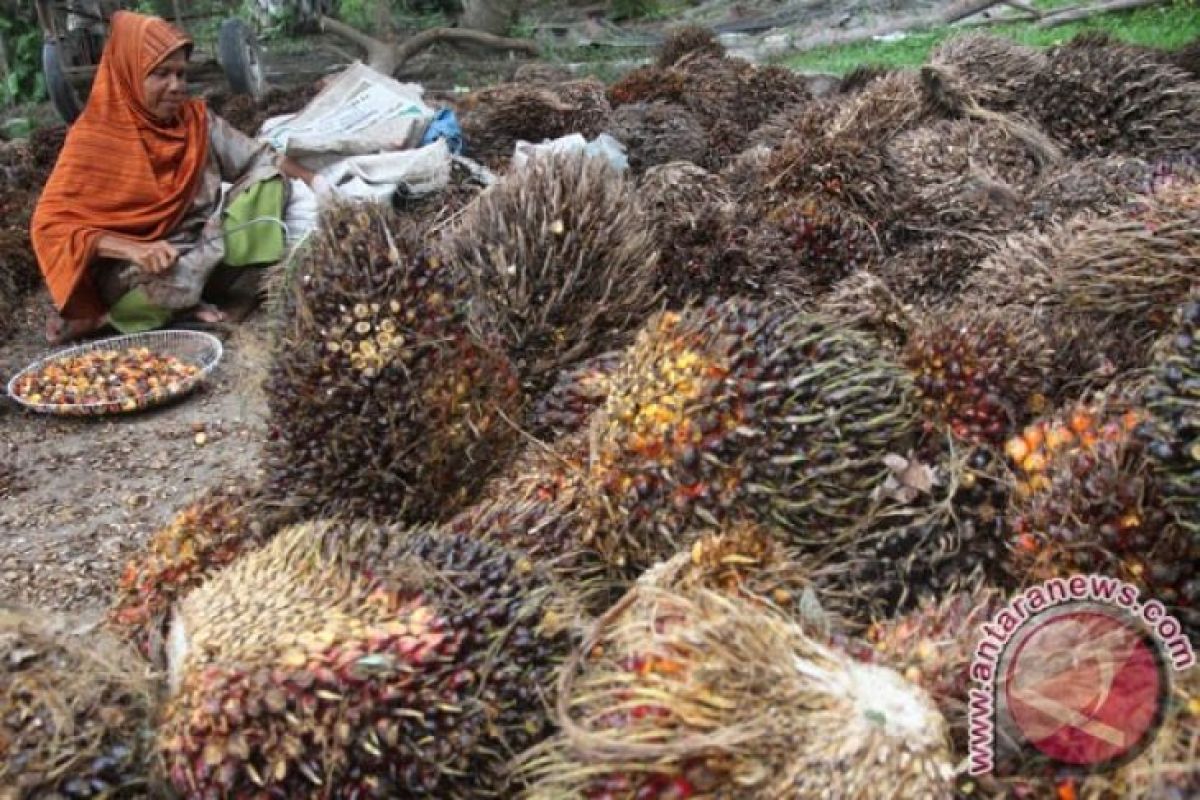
(1168, 26)
(635, 9)
(24, 82)
(371, 15)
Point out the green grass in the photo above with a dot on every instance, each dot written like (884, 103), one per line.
(1168, 27)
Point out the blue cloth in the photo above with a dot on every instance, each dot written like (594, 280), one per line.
(444, 126)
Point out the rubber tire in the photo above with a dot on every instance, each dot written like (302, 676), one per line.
(240, 57)
(62, 93)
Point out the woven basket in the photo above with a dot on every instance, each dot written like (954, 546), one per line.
(195, 348)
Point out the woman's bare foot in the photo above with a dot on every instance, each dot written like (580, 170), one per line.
(206, 312)
(60, 331)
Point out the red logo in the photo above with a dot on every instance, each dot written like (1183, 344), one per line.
(1085, 687)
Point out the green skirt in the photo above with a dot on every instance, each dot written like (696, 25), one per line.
(247, 244)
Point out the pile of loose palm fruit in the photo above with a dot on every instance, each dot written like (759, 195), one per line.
(105, 378)
(694, 481)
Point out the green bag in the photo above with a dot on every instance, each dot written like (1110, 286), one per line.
(134, 313)
(250, 243)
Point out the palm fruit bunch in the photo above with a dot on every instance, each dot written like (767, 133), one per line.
(45, 143)
(1099, 184)
(776, 128)
(865, 302)
(1172, 401)
(932, 646)
(656, 133)
(819, 238)
(741, 407)
(833, 167)
(247, 114)
(697, 224)
(999, 70)
(979, 374)
(962, 176)
(695, 694)
(566, 406)
(1086, 500)
(1187, 58)
(209, 533)
(18, 274)
(389, 387)
(684, 41)
(935, 527)
(76, 712)
(858, 78)
(343, 662)
(496, 118)
(647, 84)
(931, 274)
(729, 96)
(539, 72)
(1101, 289)
(538, 506)
(565, 253)
(1100, 99)
(748, 561)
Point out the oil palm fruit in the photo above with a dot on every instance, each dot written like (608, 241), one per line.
(77, 711)
(1172, 400)
(1099, 184)
(865, 302)
(684, 41)
(209, 533)
(18, 274)
(658, 133)
(935, 527)
(743, 407)
(931, 274)
(706, 243)
(932, 646)
(729, 96)
(389, 386)
(1086, 500)
(348, 661)
(963, 176)
(999, 71)
(819, 238)
(695, 694)
(496, 118)
(1100, 289)
(566, 407)
(979, 374)
(565, 253)
(1100, 99)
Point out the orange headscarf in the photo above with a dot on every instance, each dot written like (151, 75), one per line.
(121, 171)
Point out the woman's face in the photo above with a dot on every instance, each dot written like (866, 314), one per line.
(166, 87)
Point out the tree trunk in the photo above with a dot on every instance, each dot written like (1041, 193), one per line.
(490, 16)
(1074, 14)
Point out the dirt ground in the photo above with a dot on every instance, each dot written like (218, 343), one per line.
(79, 496)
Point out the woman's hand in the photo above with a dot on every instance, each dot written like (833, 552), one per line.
(151, 257)
(154, 257)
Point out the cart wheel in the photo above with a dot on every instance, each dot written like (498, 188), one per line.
(237, 48)
(62, 94)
